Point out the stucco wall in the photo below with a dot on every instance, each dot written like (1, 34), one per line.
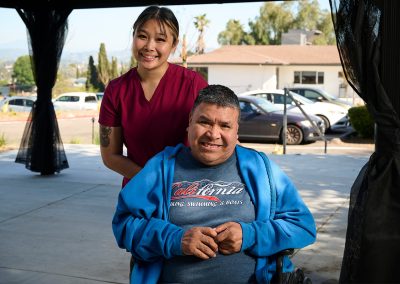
(331, 78)
(242, 78)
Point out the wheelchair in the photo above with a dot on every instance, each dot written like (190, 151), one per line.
(295, 277)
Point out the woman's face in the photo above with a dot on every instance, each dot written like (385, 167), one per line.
(152, 45)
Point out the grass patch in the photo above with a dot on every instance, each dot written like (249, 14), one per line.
(75, 140)
(3, 141)
(96, 140)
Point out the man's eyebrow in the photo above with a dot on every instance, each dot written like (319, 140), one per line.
(225, 122)
(203, 117)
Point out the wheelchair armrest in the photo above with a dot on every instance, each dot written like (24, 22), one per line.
(286, 252)
(296, 276)
(279, 262)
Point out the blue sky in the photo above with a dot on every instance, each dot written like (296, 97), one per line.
(113, 26)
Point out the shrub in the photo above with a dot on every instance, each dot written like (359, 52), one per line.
(3, 141)
(75, 140)
(96, 139)
(362, 121)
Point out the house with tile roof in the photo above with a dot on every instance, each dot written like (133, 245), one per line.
(249, 67)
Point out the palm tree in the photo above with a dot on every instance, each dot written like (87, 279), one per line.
(201, 22)
(184, 52)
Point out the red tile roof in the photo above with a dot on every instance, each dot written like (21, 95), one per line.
(270, 55)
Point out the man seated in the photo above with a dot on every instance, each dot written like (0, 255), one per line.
(213, 212)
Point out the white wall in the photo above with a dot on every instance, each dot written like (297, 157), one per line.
(242, 78)
(331, 78)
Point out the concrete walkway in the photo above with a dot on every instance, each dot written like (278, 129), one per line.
(57, 229)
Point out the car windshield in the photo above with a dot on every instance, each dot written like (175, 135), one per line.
(301, 99)
(266, 105)
(327, 95)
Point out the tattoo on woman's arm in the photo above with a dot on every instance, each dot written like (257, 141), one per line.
(105, 136)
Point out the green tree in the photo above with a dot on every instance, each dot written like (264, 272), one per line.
(114, 68)
(274, 20)
(22, 71)
(103, 67)
(200, 23)
(133, 62)
(308, 15)
(325, 25)
(92, 78)
(122, 69)
(234, 34)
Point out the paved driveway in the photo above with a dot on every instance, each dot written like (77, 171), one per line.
(57, 229)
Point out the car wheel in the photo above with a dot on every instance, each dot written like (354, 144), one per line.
(326, 122)
(294, 135)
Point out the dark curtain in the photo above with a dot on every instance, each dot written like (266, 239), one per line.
(368, 40)
(41, 148)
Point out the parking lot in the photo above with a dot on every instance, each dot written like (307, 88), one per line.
(81, 128)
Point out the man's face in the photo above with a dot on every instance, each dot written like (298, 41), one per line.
(212, 133)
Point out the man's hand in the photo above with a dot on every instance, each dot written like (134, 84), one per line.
(199, 241)
(229, 238)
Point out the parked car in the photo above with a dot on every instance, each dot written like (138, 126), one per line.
(99, 96)
(329, 113)
(319, 95)
(343, 125)
(263, 121)
(76, 101)
(17, 103)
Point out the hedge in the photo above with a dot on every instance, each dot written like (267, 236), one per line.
(362, 121)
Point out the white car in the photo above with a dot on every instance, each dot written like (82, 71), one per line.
(319, 95)
(328, 112)
(76, 101)
(17, 103)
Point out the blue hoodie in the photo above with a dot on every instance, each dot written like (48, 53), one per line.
(141, 225)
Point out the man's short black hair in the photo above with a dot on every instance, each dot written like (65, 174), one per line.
(217, 95)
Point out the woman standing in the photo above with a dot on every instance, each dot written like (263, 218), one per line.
(147, 108)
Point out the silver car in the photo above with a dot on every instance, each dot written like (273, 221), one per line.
(263, 121)
(17, 103)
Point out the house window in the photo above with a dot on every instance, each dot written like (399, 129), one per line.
(308, 77)
(320, 77)
(203, 71)
(297, 75)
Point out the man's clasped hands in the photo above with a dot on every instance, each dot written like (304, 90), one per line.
(205, 242)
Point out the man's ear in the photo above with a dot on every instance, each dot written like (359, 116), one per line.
(190, 121)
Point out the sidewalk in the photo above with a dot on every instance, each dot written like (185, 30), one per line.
(57, 229)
